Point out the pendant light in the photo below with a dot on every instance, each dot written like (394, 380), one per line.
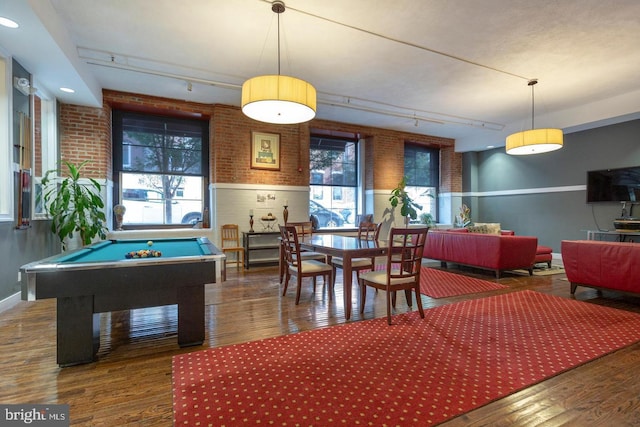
(534, 141)
(276, 98)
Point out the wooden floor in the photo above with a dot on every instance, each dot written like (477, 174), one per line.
(130, 384)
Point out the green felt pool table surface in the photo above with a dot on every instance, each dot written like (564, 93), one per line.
(116, 250)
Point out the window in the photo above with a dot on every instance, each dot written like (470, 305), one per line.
(337, 193)
(162, 164)
(422, 169)
(6, 196)
(126, 156)
(316, 192)
(333, 181)
(48, 149)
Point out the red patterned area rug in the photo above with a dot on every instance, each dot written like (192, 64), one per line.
(464, 355)
(441, 284)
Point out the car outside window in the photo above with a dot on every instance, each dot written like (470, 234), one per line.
(150, 206)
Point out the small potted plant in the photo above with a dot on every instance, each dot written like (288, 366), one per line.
(408, 207)
(74, 206)
(464, 218)
(427, 219)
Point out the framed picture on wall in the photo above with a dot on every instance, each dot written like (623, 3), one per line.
(265, 151)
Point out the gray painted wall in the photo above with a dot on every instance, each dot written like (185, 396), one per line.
(550, 215)
(19, 247)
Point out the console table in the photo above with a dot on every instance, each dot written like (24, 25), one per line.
(261, 247)
(620, 236)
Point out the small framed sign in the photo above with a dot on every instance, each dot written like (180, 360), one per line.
(265, 151)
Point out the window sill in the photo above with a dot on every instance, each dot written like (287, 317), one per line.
(126, 227)
(159, 233)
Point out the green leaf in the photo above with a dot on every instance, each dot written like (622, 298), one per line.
(73, 205)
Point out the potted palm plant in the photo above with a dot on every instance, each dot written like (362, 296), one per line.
(74, 205)
(399, 196)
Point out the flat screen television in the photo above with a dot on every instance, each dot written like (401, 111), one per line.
(614, 185)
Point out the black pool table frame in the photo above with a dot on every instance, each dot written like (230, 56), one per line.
(83, 291)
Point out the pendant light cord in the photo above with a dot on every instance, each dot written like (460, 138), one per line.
(278, 8)
(532, 83)
(278, 43)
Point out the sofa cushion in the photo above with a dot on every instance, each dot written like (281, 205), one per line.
(492, 227)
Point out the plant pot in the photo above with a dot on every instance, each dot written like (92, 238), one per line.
(73, 243)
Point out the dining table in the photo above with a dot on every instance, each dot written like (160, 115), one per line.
(348, 248)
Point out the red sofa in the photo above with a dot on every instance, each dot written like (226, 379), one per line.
(497, 252)
(602, 265)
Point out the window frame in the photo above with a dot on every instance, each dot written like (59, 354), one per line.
(118, 114)
(6, 138)
(344, 177)
(433, 173)
(49, 147)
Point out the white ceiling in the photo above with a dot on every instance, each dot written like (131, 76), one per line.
(460, 67)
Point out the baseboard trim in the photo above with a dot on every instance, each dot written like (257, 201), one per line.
(9, 302)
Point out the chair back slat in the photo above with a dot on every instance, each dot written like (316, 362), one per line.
(368, 230)
(303, 228)
(229, 235)
(405, 252)
(290, 244)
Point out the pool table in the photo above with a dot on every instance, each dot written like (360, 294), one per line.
(100, 278)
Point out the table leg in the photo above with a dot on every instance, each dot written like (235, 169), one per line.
(78, 330)
(190, 315)
(347, 273)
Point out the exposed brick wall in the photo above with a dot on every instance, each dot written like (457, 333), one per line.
(450, 170)
(232, 147)
(154, 102)
(388, 158)
(86, 134)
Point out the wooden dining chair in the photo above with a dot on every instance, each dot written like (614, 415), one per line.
(402, 273)
(230, 238)
(300, 267)
(303, 229)
(367, 231)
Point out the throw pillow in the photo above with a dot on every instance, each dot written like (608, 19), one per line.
(492, 227)
(480, 229)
